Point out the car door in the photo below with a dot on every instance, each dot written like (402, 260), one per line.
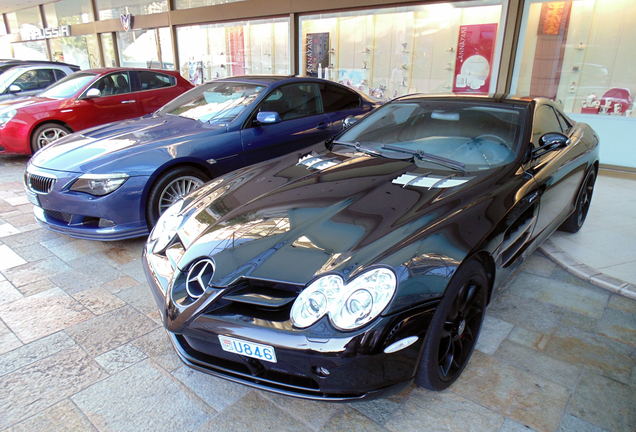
(557, 181)
(155, 90)
(303, 123)
(339, 103)
(117, 101)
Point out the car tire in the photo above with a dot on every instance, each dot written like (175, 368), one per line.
(575, 221)
(454, 329)
(170, 187)
(47, 133)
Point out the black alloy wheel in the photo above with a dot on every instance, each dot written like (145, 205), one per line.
(453, 333)
(576, 220)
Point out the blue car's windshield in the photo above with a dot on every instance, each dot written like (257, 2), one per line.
(475, 135)
(214, 102)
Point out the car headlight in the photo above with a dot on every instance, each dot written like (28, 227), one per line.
(99, 184)
(167, 226)
(6, 116)
(349, 306)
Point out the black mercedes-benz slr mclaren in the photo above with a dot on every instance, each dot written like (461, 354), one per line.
(367, 261)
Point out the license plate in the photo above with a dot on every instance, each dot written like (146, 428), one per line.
(249, 349)
(33, 198)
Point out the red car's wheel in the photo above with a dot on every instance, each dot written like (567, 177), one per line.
(46, 134)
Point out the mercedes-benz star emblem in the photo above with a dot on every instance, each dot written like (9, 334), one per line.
(199, 277)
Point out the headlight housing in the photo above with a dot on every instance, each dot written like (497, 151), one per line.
(350, 305)
(99, 184)
(6, 116)
(167, 226)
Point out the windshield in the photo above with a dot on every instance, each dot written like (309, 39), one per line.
(214, 102)
(69, 86)
(474, 135)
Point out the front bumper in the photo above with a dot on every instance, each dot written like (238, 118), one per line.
(116, 216)
(357, 367)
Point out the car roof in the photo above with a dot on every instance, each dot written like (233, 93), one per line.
(467, 97)
(104, 71)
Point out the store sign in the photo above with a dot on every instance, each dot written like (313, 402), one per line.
(47, 33)
(126, 21)
(473, 65)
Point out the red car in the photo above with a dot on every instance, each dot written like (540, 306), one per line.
(83, 100)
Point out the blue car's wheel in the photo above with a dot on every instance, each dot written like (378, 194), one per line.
(170, 187)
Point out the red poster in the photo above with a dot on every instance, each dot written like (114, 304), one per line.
(475, 51)
(237, 51)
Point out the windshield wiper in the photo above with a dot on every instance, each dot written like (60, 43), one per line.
(428, 157)
(359, 147)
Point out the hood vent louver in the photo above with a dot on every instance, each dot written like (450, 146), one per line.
(317, 162)
(429, 181)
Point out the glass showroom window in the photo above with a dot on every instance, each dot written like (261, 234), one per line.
(187, 4)
(391, 52)
(580, 53)
(112, 9)
(78, 50)
(30, 50)
(147, 48)
(108, 48)
(68, 12)
(237, 48)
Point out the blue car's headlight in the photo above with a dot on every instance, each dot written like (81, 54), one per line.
(349, 306)
(167, 226)
(99, 184)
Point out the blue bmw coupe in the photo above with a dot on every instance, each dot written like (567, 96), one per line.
(113, 182)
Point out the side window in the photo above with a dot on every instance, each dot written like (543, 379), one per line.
(153, 80)
(338, 99)
(46, 77)
(27, 81)
(59, 74)
(112, 84)
(545, 120)
(293, 101)
(565, 125)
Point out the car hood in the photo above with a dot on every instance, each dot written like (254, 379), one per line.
(87, 150)
(283, 220)
(22, 102)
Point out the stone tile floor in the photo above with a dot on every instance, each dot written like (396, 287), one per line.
(81, 348)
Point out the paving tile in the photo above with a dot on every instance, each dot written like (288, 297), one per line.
(8, 230)
(379, 410)
(9, 259)
(315, 414)
(42, 314)
(513, 426)
(36, 287)
(140, 297)
(493, 332)
(623, 303)
(29, 390)
(531, 339)
(591, 351)
(30, 238)
(538, 363)
(525, 312)
(570, 423)
(98, 300)
(120, 358)
(75, 249)
(584, 300)
(583, 322)
(254, 413)
(110, 330)
(519, 395)
(134, 270)
(33, 352)
(117, 285)
(8, 341)
(216, 392)
(17, 200)
(8, 293)
(158, 347)
(83, 275)
(120, 254)
(604, 402)
(618, 325)
(25, 208)
(20, 221)
(34, 252)
(442, 411)
(61, 417)
(142, 398)
(538, 264)
(11, 185)
(34, 271)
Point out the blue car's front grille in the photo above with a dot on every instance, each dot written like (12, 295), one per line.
(40, 183)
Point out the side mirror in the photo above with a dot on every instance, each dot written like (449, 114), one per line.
(93, 93)
(348, 122)
(267, 117)
(549, 142)
(14, 89)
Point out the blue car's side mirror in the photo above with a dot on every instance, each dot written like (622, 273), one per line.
(267, 117)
